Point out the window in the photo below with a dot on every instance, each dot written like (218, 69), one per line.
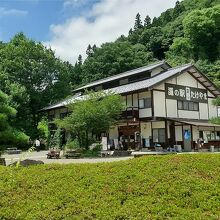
(98, 88)
(63, 115)
(123, 81)
(196, 106)
(186, 105)
(145, 103)
(218, 111)
(191, 106)
(180, 105)
(51, 117)
(159, 135)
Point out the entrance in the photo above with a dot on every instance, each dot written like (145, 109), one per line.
(129, 136)
(172, 139)
(187, 138)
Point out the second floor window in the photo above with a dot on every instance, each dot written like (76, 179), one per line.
(188, 106)
(145, 103)
(218, 111)
(123, 82)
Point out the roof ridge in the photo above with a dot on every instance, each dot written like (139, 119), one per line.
(139, 68)
(176, 67)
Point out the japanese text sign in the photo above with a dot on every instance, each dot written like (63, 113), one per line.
(185, 93)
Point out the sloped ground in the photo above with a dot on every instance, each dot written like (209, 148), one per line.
(152, 187)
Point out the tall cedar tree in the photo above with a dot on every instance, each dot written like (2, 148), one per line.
(138, 23)
(147, 21)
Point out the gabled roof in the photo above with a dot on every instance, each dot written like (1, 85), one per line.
(150, 84)
(205, 81)
(126, 74)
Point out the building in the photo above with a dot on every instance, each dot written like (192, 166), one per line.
(165, 105)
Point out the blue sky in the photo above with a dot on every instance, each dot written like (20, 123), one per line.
(68, 26)
(34, 17)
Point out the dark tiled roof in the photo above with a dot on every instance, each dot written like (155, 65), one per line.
(148, 84)
(125, 74)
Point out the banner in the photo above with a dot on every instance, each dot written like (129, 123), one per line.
(186, 93)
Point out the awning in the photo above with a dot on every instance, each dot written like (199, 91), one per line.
(199, 123)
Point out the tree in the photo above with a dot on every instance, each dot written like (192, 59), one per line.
(96, 113)
(130, 31)
(181, 51)
(80, 60)
(33, 68)
(202, 27)
(43, 128)
(178, 9)
(8, 134)
(89, 50)
(113, 58)
(147, 21)
(138, 23)
(94, 47)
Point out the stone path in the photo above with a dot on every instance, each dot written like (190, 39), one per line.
(42, 156)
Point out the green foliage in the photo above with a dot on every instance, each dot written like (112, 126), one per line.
(189, 32)
(113, 58)
(43, 128)
(72, 144)
(34, 77)
(55, 139)
(138, 23)
(96, 113)
(202, 28)
(152, 187)
(212, 69)
(8, 134)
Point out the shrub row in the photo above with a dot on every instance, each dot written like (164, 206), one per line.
(153, 187)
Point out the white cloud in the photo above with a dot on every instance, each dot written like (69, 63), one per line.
(105, 22)
(12, 12)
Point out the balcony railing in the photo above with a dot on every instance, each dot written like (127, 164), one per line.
(130, 113)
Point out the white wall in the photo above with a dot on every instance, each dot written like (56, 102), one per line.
(212, 109)
(135, 100)
(178, 133)
(186, 79)
(146, 112)
(146, 130)
(188, 114)
(158, 124)
(203, 109)
(159, 104)
(206, 111)
(171, 108)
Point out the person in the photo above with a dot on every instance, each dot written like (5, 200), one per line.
(199, 143)
(37, 145)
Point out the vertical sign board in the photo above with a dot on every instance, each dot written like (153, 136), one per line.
(104, 143)
(186, 93)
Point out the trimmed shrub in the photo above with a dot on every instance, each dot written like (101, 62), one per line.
(152, 187)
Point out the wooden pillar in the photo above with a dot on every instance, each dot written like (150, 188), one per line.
(191, 131)
(166, 133)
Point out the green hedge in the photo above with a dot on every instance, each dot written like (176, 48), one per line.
(152, 187)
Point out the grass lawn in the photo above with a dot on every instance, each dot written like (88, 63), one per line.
(152, 187)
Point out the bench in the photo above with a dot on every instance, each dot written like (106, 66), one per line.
(53, 154)
(13, 150)
(72, 154)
